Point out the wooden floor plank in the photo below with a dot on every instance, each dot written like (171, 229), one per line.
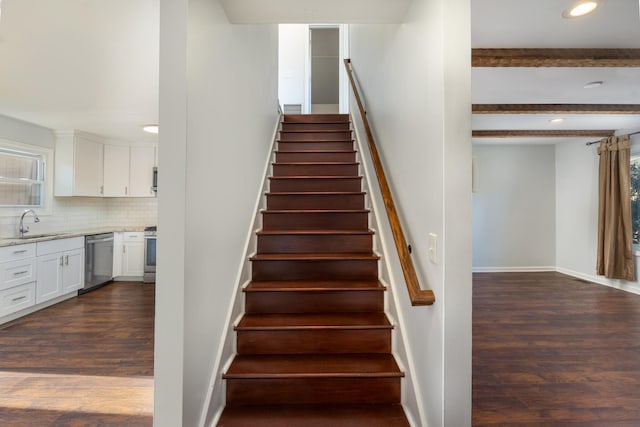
(85, 361)
(552, 350)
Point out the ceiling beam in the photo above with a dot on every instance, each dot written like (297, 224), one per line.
(600, 133)
(555, 108)
(555, 57)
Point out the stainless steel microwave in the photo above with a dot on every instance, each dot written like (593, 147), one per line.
(155, 179)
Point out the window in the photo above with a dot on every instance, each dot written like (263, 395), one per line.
(635, 197)
(22, 177)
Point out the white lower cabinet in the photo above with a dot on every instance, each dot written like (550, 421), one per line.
(60, 268)
(17, 298)
(17, 278)
(133, 255)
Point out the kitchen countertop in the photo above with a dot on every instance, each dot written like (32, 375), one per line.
(66, 234)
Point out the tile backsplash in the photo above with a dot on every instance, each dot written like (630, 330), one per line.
(77, 213)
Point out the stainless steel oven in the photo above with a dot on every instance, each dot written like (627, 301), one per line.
(149, 254)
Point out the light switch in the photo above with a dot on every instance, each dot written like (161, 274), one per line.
(433, 248)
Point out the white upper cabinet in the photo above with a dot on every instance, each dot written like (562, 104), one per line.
(116, 170)
(86, 166)
(142, 161)
(79, 160)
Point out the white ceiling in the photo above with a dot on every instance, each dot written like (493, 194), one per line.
(90, 65)
(539, 24)
(93, 64)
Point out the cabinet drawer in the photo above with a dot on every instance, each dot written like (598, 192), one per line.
(131, 236)
(17, 298)
(60, 245)
(15, 252)
(17, 272)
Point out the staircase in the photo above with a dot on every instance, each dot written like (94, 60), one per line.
(314, 345)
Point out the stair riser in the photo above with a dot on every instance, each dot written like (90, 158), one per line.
(329, 184)
(270, 244)
(313, 390)
(314, 302)
(315, 170)
(314, 341)
(289, 126)
(315, 201)
(346, 156)
(315, 270)
(315, 118)
(315, 220)
(315, 136)
(315, 146)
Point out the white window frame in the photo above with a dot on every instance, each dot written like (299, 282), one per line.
(47, 177)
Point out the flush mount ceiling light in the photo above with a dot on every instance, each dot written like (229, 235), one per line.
(580, 8)
(149, 128)
(591, 85)
(556, 120)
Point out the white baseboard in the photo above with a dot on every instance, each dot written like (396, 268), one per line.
(612, 283)
(622, 285)
(531, 269)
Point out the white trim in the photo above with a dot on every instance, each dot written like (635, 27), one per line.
(528, 269)
(228, 336)
(612, 283)
(392, 302)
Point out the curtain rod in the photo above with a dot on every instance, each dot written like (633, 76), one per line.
(596, 142)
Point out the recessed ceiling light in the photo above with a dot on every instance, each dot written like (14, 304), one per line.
(556, 120)
(591, 85)
(580, 8)
(150, 128)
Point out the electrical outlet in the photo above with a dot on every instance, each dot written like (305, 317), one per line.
(433, 248)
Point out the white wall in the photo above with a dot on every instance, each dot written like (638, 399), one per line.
(416, 82)
(514, 224)
(577, 213)
(222, 127)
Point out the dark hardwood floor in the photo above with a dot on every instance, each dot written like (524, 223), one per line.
(551, 350)
(87, 361)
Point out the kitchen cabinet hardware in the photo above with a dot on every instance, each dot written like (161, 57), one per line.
(20, 251)
(18, 273)
(66, 260)
(19, 298)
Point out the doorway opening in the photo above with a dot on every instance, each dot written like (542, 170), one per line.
(311, 76)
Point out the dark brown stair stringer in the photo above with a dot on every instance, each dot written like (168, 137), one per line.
(314, 335)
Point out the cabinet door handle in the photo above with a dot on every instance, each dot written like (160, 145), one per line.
(102, 189)
(18, 273)
(18, 298)
(126, 190)
(124, 249)
(20, 251)
(61, 260)
(66, 260)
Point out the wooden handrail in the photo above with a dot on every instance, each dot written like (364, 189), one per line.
(418, 296)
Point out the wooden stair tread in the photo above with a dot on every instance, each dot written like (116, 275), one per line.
(315, 211)
(322, 232)
(316, 177)
(371, 365)
(315, 141)
(315, 130)
(354, 415)
(301, 321)
(315, 257)
(319, 151)
(314, 163)
(313, 286)
(317, 193)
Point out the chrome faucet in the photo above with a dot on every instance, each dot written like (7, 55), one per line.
(22, 229)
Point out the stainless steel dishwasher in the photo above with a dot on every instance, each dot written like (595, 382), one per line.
(98, 261)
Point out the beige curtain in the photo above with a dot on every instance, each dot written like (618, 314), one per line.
(615, 246)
